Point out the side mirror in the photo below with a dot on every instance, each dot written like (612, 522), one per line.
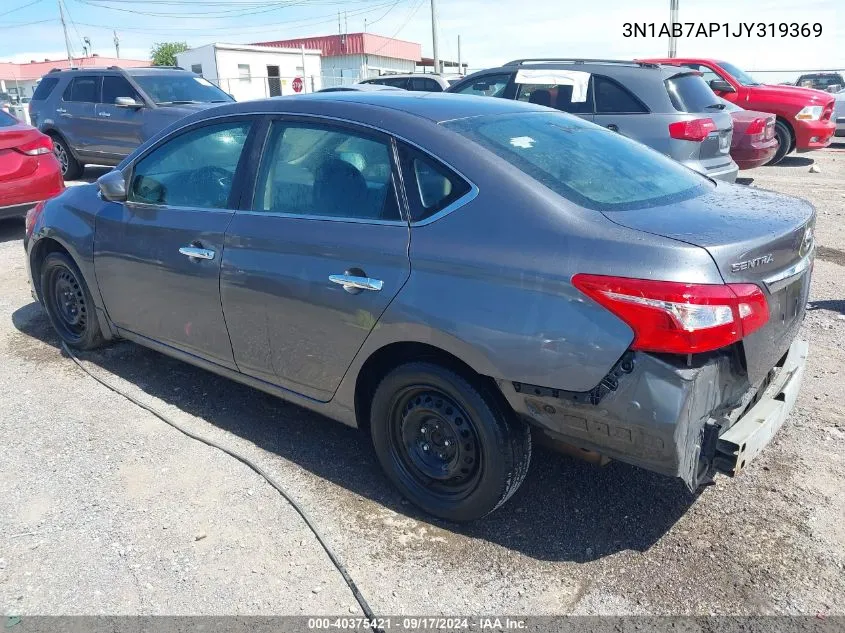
(112, 186)
(127, 102)
(720, 85)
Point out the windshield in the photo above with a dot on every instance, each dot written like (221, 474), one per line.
(740, 75)
(167, 89)
(582, 162)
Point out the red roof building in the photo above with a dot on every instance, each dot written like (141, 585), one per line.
(350, 57)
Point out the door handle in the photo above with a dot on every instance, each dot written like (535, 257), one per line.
(612, 127)
(66, 115)
(195, 252)
(353, 284)
(106, 114)
(61, 110)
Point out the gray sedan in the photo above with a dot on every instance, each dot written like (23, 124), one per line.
(448, 273)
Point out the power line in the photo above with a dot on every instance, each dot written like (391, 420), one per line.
(402, 26)
(23, 6)
(246, 29)
(18, 24)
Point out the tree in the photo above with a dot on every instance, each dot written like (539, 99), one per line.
(164, 53)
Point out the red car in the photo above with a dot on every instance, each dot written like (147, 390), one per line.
(29, 171)
(754, 142)
(803, 120)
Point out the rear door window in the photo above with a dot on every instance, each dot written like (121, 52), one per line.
(690, 93)
(7, 120)
(321, 171)
(84, 90)
(424, 84)
(556, 96)
(44, 88)
(487, 86)
(612, 97)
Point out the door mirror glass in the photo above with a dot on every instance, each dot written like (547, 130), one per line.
(720, 85)
(112, 186)
(127, 102)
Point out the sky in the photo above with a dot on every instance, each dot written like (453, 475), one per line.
(492, 31)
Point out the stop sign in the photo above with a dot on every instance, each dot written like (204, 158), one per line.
(297, 84)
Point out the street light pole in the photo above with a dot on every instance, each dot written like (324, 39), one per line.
(434, 35)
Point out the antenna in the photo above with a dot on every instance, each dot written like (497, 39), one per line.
(86, 46)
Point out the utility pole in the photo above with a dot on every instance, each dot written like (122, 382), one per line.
(67, 40)
(86, 45)
(673, 19)
(116, 45)
(460, 66)
(434, 35)
(302, 52)
(365, 25)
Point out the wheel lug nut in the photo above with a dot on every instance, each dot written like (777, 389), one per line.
(425, 447)
(447, 443)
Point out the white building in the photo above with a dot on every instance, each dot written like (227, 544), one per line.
(255, 72)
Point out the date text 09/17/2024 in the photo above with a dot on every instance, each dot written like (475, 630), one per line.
(724, 29)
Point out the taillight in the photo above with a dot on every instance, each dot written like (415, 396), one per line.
(695, 130)
(32, 217)
(761, 129)
(679, 318)
(41, 145)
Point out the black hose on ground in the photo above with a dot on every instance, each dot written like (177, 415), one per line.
(368, 613)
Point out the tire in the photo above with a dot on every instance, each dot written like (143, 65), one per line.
(71, 168)
(450, 447)
(68, 303)
(784, 136)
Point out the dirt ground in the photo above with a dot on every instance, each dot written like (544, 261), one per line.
(106, 510)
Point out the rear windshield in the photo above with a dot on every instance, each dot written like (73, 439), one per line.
(582, 162)
(690, 93)
(45, 87)
(175, 89)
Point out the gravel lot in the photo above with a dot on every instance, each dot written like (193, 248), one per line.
(106, 510)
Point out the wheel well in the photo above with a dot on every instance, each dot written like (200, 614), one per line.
(43, 247)
(791, 132)
(391, 356)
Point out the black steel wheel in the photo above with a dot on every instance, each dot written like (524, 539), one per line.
(68, 302)
(451, 447)
(71, 168)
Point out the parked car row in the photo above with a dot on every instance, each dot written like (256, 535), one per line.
(449, 272)
(670, 105)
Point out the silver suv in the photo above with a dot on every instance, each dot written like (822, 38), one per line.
(667, 108)
(416, 82)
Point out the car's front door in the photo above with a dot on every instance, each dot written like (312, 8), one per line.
(120, 126)
(157, 256)
(311, 264)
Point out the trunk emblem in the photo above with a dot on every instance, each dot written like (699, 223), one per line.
(752, 263)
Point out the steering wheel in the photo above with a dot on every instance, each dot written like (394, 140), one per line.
(211, 185)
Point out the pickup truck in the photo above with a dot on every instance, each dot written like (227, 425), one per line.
(803, 114)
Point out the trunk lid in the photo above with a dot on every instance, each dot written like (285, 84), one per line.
(753, 236)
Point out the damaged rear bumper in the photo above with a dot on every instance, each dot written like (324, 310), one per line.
(662, 415)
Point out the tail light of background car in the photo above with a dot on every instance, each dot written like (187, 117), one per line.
(32, 217)
(761, 129)
(679, 318)
(695, 130)
(41, 145)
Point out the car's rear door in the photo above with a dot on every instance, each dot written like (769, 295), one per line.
(618, 109)
(313, 260)
(566, 90)
(120, 127)
(75, 114)
(157, 256)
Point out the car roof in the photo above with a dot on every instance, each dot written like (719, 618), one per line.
(620, 70)
(149, 70)
(434, 106)
(404, 76)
